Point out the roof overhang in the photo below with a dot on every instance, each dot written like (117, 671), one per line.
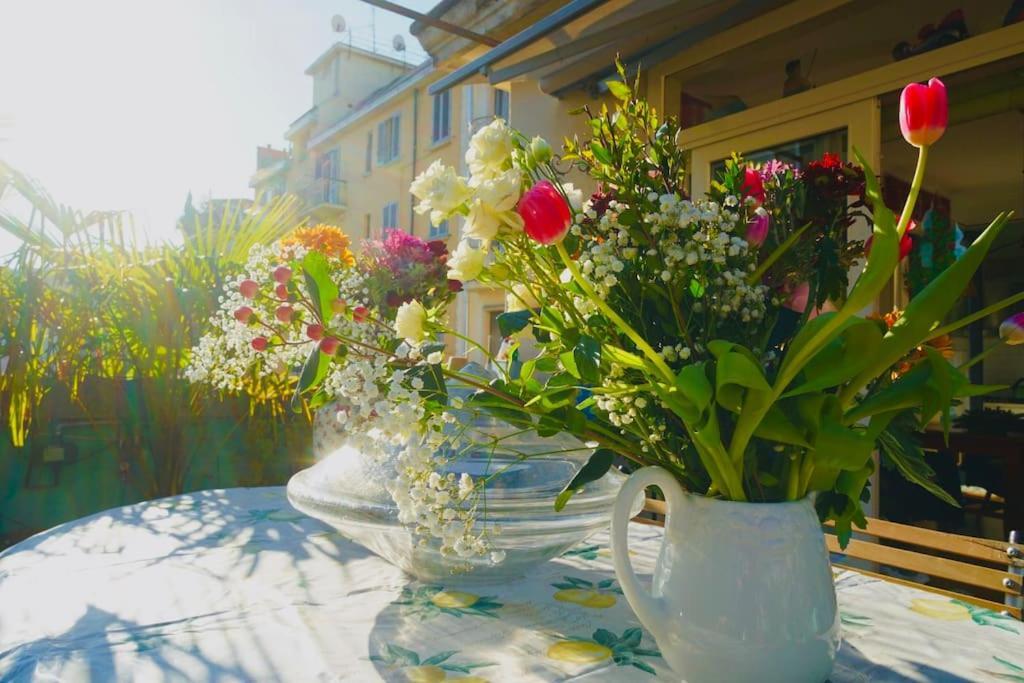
(574, 46)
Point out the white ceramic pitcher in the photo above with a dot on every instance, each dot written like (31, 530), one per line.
(741, 591)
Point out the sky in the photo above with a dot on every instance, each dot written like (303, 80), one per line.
(130, 104)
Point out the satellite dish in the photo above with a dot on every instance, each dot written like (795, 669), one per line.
(338, 23)
(398, 42)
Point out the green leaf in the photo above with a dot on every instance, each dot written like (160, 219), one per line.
(599, 463)
(600, 152)
(619, 90)
(624, 358)
(512, 322)
(313, 372)
(842, 358)
(587, 354)
(434, 387)
(322, 290)
(926, 310)
(736, 376)
(900, 449)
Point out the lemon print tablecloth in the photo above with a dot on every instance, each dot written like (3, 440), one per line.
(235, 585)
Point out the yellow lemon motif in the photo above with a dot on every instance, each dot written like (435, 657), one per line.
(470, 679)
(579, 652)
(424, 674)
(586, 598)
(454, 599)
(940, 609)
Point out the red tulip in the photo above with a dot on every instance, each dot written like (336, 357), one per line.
(259, 343)
(282, 274)
(282, 292)
(753, 185)
(906, 243)
(248, 288)
(924, 112)
(243, 313)
(545, 213)
(315, 332)
(329, 345)
(284, 313)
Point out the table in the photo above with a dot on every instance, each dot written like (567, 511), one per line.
(234, 585)
(1008, 449)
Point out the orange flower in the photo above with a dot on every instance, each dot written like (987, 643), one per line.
(942, 344)
(329, 240)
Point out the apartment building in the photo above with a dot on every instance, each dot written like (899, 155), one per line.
(372, 128)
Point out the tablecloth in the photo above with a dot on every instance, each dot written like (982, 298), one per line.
(235, 585)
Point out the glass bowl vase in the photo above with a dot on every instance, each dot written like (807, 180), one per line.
(346, 490)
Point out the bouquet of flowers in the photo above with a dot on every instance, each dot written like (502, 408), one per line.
(716, 337)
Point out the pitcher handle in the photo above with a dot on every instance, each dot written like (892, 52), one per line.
(651, 610)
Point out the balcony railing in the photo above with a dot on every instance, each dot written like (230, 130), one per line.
(321, 191)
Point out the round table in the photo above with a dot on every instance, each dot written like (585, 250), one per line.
(235, 585)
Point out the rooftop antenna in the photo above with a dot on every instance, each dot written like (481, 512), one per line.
(339, 25)
(398, 43)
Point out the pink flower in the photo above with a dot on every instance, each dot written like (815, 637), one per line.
(545, 213)
(315, 332)
(924, 112)
(360, 314)
(243, 313)
(282, 274)
(284, 313)
(1011, 330)
(248, 288)
(757, 230)
(752, 185)
(259, 343)
(329, 345)
(797, 301)
(282, 292)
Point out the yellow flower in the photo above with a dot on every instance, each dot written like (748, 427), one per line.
(454, 600)
(579, 652)
(329, 240)
(940, 609)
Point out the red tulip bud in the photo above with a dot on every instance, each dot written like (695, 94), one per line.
(753, 185)
(282, 292)
(248, 288)
(259, 343)
(360, 314)
(329, 345)
(545, 213)
(315, 332)
(243, 313)
(282, 274)
(284, 313)
(906, 243)
(924, 112)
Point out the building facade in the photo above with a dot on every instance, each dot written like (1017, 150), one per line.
(372, 129)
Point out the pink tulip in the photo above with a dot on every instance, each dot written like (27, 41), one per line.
(284, 313)
(248, 288)
(282, 292)
(924, 112)
(753, 185)
(259, 343)
(243, 313)
(1012, 329)
(545, 213)
(757, 230)
(797, 300)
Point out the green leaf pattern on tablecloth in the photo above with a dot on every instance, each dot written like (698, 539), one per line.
(1009, 671)
(417, 669)
(849, 620)
(429, 601)
(604, 645)
(595, 595)
(586, 552)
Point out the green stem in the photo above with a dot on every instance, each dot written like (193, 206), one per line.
(615, 318)
(793, 478)
(915, 189)
(756, 276)
(981, 356)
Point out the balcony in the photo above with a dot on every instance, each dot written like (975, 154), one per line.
(325, 198)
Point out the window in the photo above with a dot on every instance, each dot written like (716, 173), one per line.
(327, 172)
(387, 140)
(369, 152)
(439, 230)
(501, 103)
(389, 217)
(442, 116)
